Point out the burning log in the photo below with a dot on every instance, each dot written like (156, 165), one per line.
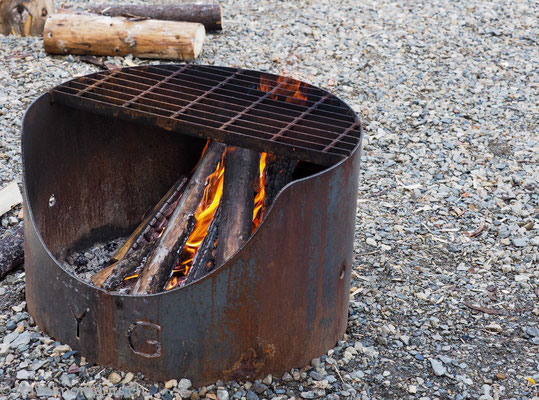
(204, 260)
(158, 267)
(24, 17)
(110, 277)
(207, 14)
(11, 252)
(153, 221)
(107, 36)
(237, 204)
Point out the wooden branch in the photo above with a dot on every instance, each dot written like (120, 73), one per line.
(107, 36)
(152, 220)
(24, 17)
(207, 14)
(11, 252)
(110, 277)
(158, 267)
(237, 203)
(204, 260)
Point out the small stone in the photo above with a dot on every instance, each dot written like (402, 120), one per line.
(171, 384)
(307, 395)
(88, 392)
(412, 389)
(519, 242)
(69, 395)
(222, 394)
(184, 384)
(23, 374)
(4, 349)
(500, 376)
(73, 369)
(419, 357)
(494, 327)
(286, 377)
(61, 349)
(114, 378)
(43, 391)
(259, 387)
(251, 395)
(438, 367)
(20, 329)
(316, 375)
(22, 339)
(128, 378)
(268, 379)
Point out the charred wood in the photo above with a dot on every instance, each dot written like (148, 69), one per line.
(11, 252)
(237, 203)
(279, 171)
(112, 276)
(207, 14)
(155, 221)
(204, 260)
(158, 267)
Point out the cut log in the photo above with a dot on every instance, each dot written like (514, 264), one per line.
(110, 277)
(204, 260)
(11, 252)
(108, 36)
(161, 261)
(10, 196)
(154, 220)
(24, 17)
(237, 203)
(207, 14)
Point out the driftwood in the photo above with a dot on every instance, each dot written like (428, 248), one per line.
(207, 14)
(108, 36)
(11, 252)
(161, 261)
(237, 203)
(24, 17)
(110, 277)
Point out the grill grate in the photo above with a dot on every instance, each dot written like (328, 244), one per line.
(243, 108)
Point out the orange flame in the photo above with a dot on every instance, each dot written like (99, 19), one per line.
(261, 195)
(203, 216)
(291, 89)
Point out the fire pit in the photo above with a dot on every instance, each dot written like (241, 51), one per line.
(101, 150)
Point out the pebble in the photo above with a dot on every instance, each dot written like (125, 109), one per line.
(172, 384)
(114, 378)
(222, 394)
(437, 367)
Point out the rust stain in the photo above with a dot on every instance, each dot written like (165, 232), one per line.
(251, 362)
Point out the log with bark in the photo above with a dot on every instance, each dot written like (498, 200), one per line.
(279, 172)
(108, 36)
(207, 14)
(24, 17)
(158, 268)
(11, 252)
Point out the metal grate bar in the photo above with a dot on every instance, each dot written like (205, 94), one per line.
(243, 108)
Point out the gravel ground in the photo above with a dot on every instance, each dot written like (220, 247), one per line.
(445, 286)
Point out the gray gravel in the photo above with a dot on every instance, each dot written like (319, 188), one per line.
(447, 222)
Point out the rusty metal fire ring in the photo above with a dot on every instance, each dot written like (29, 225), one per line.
(90, 172)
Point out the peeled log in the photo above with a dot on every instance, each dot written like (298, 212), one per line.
(11, 252)
(237, 203)
(107, 36)
(24, 17)
(207, 14)
(161, 261)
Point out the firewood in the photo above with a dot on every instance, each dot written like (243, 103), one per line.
(11, 252)
(204, 260)
(153, 218)
(24, 17)
(10, 196)
(108, 36)
(207, 14)
(279, 172)
(161, 261)
(110, 277)
(237, 203)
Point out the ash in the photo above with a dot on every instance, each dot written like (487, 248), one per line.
(87, 262)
